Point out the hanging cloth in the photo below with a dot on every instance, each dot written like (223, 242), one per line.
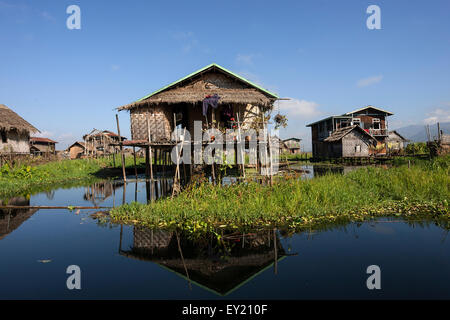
(212, 101)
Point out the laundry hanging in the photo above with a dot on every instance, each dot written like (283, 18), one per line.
(212, 101)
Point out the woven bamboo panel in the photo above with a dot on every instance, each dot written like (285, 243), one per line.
(146, 238)
(159, 120)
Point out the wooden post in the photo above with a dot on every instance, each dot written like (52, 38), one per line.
(134, 156)
(439, 131)
(149, 147)
(241, 151)
(177, 170)
(147, 164)
(121, 150)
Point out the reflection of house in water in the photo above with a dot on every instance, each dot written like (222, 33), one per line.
(99, 192)
(11, 219)
(221, 268)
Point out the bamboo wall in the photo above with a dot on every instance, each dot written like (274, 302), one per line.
(160, 120)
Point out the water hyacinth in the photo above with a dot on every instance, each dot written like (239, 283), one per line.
(422, 190)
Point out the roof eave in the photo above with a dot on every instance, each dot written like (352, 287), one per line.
(212, 65)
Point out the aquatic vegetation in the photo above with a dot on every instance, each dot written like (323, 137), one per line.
(421, 190)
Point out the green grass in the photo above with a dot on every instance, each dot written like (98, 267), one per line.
(296, 157)
(25, 179)
(421, 190)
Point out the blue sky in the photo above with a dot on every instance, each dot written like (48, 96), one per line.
(318, 53)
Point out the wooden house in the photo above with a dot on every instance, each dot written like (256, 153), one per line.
(395, 142)
(101, 142)
(15, 132)
(42, 146)
(373, 121)
(350, 141)
(76, 150)
(213, 95)
(292, 145)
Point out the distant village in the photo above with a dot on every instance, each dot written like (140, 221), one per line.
(234, 103)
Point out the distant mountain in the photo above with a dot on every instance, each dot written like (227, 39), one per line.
(417, 133)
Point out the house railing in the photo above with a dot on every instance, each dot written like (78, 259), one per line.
(378, 132)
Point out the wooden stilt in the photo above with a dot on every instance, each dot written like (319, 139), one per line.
(149, 147)
(147, 162)
(114, 158)
(135, 167)
(121, 150)
(270, 159)
(241, 149)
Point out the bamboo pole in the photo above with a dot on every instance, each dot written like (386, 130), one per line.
(241, 151)
(270, 158)
(134, 156)
(121, 149)
(149, 147)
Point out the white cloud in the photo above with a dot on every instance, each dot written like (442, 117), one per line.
(438, 115)
(47, 16)
(43, 134)
(299, 108)
(187, 39)
(299, 113)
(369, 81)
(245, 58)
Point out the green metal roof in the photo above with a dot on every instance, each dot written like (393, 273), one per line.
(204, 69)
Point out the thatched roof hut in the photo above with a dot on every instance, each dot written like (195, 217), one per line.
(9, 120)
(14, 131)
(181, 103)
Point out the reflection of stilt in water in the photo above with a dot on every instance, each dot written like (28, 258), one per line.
(148, 191)
(99, 192)
(182, 258)
(157, 188)
(275, 247)
(124, 197)
(121, 234)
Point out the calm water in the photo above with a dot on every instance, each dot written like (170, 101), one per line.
(127, 262)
